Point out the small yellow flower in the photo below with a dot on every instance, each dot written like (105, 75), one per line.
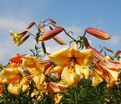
(16, 37)
(19, 38)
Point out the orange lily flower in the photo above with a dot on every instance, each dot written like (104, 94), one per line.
(16, 79)
(38, 70)
(16, 59)
(74, 64)
(107, 70)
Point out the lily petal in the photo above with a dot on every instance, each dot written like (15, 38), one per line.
(67, 76)
(96, 79)
(60, 57)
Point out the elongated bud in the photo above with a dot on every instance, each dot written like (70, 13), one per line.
(22, 33)
(50, 34)
(117, 54)
(86, 42)
(52, 21)
(111, 64)
(43, 47)
(98, 33)
(108, 49)
(58, 40)
(97, 54)
(30, 25)
(47, 66)
(23, 39)
(42, 30)
(56, 87)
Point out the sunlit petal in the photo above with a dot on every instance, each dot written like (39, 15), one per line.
(68, 77)
(60, 57)
(96, 79)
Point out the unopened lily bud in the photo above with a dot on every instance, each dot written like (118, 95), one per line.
(22, 33)
(58, 40)
(117, 54)
(98, 33)
(52, 22)
(42, 30)
(23, 39)
(43, 47)
(97, 54)
(108, 49)
(86, 42)
(50, 34)
(30, 25)
(56, 87)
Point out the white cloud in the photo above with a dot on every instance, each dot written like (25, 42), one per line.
(11, 23)
(2, 53)
(115, 40)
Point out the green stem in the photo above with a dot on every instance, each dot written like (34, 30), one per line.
(70, 36)
(31, 34)
(76, 96)
(84, 34)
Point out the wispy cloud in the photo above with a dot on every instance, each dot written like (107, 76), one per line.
(115, 40)
(2, 53)
(11, 23)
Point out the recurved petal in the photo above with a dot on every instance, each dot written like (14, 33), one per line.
(80, 56)
(67, 77)
(14, 89)
(78, 69)
(57, 69)
(56, 87)
(57, 98)
(10, 73)
(85, 72)
(39, 81)
(89, 58)
(60, 57)
(86, 52)
(96, 79)
(16, 59)
(114, 73)
(111, 64)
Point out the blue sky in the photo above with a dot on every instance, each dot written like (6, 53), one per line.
(75, 15)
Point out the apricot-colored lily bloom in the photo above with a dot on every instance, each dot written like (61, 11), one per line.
(72, 63)
(16, 79)
(107, 70)
(37, 70)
